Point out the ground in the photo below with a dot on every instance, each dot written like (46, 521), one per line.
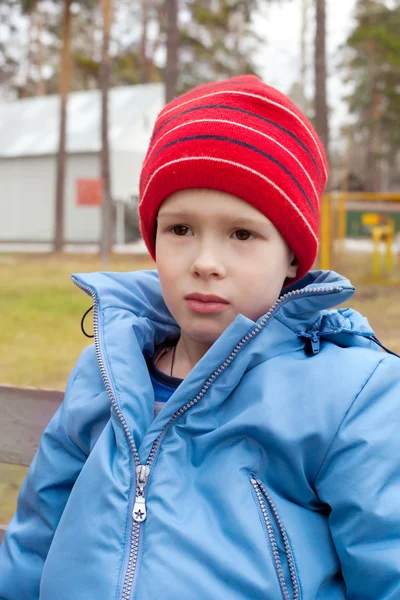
(41, 310)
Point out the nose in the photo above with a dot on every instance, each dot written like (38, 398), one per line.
(208, 262)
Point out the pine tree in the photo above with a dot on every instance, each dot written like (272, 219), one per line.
(373, 68)
(321, 105)
(217, 40)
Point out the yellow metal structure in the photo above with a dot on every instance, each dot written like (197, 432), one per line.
(343, 198)
(382, 229)
(326, 232)
(334, 208)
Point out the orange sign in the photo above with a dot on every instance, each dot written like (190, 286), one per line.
(89, 192)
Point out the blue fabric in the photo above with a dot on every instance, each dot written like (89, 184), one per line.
(162, 392)
(163, 385)
(274, 467)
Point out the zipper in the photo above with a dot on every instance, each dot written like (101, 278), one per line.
(103, 371)
(139, 512)
(134, 547)
(314, 339)
(244, 341)
(315, 343)
(267, 506)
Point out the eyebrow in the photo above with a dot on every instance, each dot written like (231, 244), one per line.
(249, 221)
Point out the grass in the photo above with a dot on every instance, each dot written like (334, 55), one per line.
(41, 338)
(41, 311)
(379, 301)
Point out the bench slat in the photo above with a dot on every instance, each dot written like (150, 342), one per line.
(2, 532)
(25, 413)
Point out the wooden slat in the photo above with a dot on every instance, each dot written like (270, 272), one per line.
(24, 414)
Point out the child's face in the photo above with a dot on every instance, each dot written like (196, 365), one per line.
(210, 242)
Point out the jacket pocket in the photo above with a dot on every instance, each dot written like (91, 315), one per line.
(280, 546)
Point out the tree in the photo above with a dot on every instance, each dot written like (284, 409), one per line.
(64, 87)
(87, 46)
(38, 20)
(106, 9)
(33, 81)
(132, 49)
(217, 37)
(321, 105)
(146, 49)
(298, 91)
(171, 66)
(65, 78)
(14, 58)
(372, 63)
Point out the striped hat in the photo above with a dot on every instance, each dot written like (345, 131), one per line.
(245, 138)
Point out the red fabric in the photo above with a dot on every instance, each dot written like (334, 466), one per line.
(245, 138)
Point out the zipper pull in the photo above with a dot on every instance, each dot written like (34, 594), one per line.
(139, 509)
(315, 343)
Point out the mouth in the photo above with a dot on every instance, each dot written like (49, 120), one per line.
(206, 298)
(206, 303)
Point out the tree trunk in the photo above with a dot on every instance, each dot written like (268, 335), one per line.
(373, 144)
(305, 5)
(106, 238)
(143, 51)
(321, 107)
(171, 67)
(41, 86)
(373, 174)
(65, 77)
(24, 89)
(152, 49)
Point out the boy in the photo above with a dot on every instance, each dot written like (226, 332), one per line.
(228, 436)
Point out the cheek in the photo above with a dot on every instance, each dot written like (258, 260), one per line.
(261, 284)
(169, 270)
(166, 246)
(170, 279)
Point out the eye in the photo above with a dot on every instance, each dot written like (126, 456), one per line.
(180, 230)
(242, 235)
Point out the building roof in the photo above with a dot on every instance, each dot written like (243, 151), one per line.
(30, 126)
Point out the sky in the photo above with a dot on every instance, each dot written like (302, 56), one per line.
(278, 59)
(279, 24)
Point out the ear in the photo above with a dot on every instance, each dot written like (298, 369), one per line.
(292, 267)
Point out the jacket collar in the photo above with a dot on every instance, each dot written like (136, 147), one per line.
(302, 306)
(132, 319)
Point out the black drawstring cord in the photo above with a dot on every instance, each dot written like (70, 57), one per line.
(375, 339)
(83, 321)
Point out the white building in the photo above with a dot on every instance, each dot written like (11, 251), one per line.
(29, 133)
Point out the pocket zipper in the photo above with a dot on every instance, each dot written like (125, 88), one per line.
(268, 508)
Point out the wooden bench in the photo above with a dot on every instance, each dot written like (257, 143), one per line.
(25, 412)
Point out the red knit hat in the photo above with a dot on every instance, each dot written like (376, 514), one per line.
(245, 138)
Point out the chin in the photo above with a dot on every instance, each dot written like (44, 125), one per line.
(205, 335)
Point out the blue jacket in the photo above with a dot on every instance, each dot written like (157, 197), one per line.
(272, 472)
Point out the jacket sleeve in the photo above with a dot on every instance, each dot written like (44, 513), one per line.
(41, 501)
(360, 481)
